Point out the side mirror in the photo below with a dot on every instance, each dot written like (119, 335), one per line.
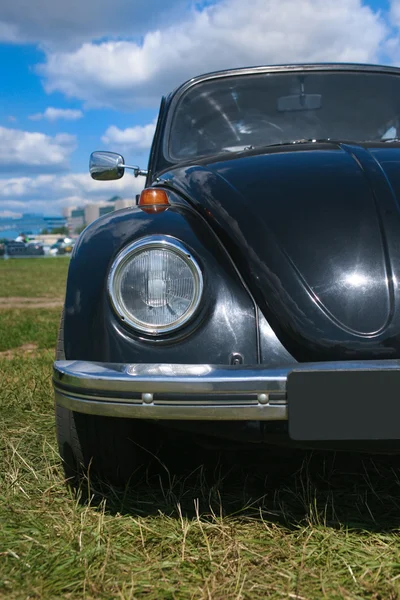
(104, 166)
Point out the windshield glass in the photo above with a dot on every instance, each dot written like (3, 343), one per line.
(232, 113)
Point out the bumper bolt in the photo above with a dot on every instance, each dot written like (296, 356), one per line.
(262, 398)
(147, 398)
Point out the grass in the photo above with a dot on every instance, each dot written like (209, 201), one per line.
(19, 327)
(33, 277)
(223, 525)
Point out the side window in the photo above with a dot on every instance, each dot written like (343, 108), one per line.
(390, 133)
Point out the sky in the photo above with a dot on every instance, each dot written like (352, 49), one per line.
(88, 75)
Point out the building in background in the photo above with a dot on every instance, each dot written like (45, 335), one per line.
(74, 218)
(29, 224)
(79, 217)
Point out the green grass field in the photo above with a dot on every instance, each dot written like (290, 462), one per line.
(237, 525)
(33, 277)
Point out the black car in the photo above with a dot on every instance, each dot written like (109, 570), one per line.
(24, 249)
(252, 295)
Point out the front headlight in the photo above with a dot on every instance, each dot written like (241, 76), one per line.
(155, 285)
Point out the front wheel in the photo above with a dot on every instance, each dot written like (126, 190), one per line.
(116, 450)
(113, 449)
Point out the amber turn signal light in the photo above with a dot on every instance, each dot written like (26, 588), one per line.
(153, 200)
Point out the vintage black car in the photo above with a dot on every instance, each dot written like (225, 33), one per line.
(252, 294)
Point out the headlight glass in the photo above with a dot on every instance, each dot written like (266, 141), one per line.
(155, 285)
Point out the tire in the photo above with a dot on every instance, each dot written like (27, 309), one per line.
(114, 450)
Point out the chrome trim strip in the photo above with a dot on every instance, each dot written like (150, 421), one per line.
(188, 392)
(149, 400)
(285, 68)
(186, 412)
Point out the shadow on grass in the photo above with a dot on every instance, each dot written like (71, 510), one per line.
(290, 487)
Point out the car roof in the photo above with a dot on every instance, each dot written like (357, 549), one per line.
(357, 67)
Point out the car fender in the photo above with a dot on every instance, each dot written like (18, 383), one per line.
(225, 329)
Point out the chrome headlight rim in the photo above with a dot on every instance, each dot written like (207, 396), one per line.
(114, 289)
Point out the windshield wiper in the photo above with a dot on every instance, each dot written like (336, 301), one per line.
(300, 141)
(295, 142)
(314, 141)
(306, 141)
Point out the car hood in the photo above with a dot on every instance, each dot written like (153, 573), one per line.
(314, 230)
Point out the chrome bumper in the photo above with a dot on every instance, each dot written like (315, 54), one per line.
(185, 392)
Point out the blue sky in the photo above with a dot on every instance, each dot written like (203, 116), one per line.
(23, 95)
(89, 75)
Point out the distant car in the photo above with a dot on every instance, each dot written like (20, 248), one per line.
(16, 248)
(31, 248)
(35, 248)
(62, 246)
(253, 294)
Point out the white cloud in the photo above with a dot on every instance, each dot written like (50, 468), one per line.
(50, 193)
(137, 138)
(395, 12)
(53, 114)
(224, 35)
(392, 44)
(8, 32)
(70, 23)
(4, 214)
(24, 150)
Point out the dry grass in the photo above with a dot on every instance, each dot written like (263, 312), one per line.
(215, 525)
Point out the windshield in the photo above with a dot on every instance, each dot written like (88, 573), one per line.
(230, 114)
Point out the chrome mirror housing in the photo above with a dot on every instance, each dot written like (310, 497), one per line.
(104, 166)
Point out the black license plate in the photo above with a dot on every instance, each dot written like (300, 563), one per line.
(344, 405)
